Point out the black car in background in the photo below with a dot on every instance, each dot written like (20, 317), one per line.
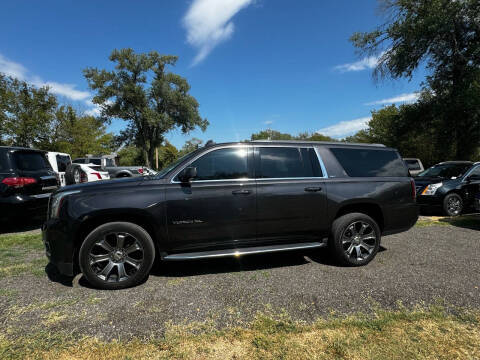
(26, 182)
(233, 199)
(448, 186)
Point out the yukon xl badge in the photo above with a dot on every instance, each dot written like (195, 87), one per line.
(183, 222)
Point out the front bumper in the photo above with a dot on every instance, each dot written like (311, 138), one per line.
(428, 201)
(59, 246)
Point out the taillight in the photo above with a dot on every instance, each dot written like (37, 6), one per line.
(18, 182)
(414, 192)
(140, 171)
(83, 177)
(97, 175)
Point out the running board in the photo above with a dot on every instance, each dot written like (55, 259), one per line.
(241, 251)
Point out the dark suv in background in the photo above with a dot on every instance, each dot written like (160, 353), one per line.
(448, 186)
(26, 182)
(229, 200)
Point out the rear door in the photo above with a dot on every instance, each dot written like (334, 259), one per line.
(34, 164)
(291, 195)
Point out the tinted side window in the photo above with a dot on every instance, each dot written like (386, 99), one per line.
(413, 164)
(62, 162)
(370, 162)
(4, 163)
(31, 161)
(287, 162)
(222, 164)
(79, 161)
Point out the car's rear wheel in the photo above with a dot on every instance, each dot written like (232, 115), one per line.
(355, 239)
(452, 205)
(117, 255)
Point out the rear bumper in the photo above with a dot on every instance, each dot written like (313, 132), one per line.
(23, 205)
(401, 218)
(59, 246)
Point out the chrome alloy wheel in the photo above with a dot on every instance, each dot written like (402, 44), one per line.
(454, 206)
(359, 240)
(116, 257)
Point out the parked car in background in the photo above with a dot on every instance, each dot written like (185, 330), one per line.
(81, 173)
(449, 186)
(414, 165)
(26, 182)
(59, 163)
(107, 163)
(233, 199)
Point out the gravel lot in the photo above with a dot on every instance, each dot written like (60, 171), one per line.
(422, 266)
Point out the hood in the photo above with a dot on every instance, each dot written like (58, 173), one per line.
(109, 184)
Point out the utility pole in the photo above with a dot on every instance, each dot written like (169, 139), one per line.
(156, 158)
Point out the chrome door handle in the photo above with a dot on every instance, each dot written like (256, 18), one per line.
(241, 192)
(313, 189)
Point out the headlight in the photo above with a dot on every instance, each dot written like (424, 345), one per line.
(431, 189)
(56, 202)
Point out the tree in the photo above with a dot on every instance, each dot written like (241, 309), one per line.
(129, 156)
(445, 36)
(277, 135)
(152, 100)
(26, 113)
(189, 146)
(78, 135)
(167, 154)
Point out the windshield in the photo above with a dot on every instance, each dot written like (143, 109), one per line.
(447, 171)
(172, 166)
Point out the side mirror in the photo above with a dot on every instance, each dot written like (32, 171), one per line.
(187, 174)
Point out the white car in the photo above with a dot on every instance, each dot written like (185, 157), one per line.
(414, 165)
(82, 173)
(59, 163)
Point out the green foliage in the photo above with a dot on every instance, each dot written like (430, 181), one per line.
(26, 113)
(189, 146)
(142, 92)
(277, 135)
(445, 36)
(130, 156)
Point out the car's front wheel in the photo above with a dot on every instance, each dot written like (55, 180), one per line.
(355, 239)
(116, 255)
(452, 205)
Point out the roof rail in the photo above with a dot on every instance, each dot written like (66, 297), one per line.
(317, 142)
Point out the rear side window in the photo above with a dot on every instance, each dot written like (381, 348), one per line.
(287, 162)
(4, 164)
(370, 162)
(413, 164)
(31, 161)
(62, 162)
(222, 164)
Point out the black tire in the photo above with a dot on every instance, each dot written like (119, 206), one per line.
(351, 227)
(142, 255)
(452, 204)
(69, 174)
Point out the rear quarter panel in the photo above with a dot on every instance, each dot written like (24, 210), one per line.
(392, 195)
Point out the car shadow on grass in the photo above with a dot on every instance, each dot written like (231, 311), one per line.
(470, 221)
(55, 276)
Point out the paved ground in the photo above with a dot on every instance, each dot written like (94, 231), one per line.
(420, 266)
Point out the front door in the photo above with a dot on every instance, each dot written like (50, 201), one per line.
(291, 194)
(217, 208)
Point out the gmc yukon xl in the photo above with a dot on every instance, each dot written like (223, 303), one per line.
(233, 199)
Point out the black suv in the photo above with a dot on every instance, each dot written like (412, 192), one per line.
(229, 200)
(26, 182)
(450, 186)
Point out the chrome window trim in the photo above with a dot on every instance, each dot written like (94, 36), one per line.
(322, 165)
